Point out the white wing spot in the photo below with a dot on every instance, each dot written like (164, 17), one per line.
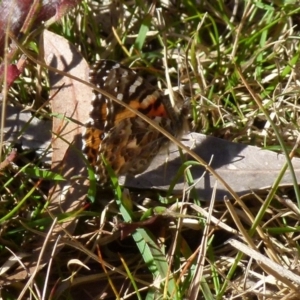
(116, 66)
(94, 97)
(135, 85)
(90, 122)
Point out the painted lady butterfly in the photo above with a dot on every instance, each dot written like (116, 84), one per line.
(127, 142)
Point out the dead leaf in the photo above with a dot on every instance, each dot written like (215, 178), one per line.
(71, 104)
(15, 14)
(72, 100)
(37, 135)
(245, 168)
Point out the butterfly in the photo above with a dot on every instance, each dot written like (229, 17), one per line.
(127, 142)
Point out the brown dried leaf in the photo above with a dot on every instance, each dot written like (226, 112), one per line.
(71, 101)
(245, 168)
(18, 13)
